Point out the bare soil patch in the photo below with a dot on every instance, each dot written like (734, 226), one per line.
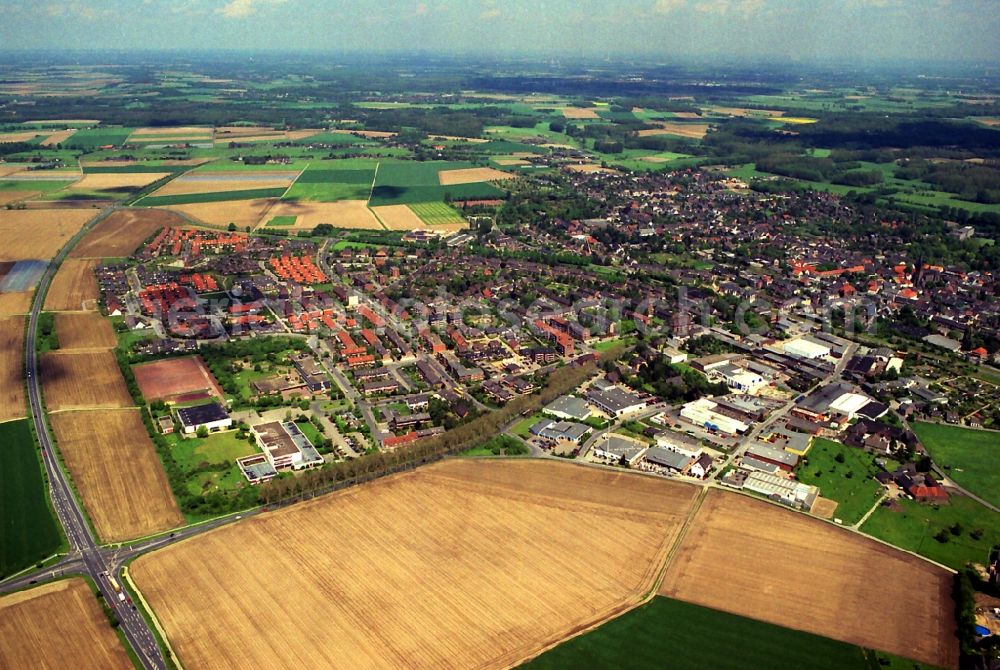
(121, 233)
(161, 380)
(84, 330)
(456, 565)
(803, 573)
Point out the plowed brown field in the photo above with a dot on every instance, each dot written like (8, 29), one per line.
(460, 564)
(18, 302)
(84, 330)
(117, 472)
(74, 288)
(12, 403)
(121, 233)
(754, 559)
(58, 625)
(86, 380)
(175, 376)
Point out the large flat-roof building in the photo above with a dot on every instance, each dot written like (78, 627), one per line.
(568, 407)
(285, 446)
(702, 413)
(785, 491)
(211, 416)
(807, 347)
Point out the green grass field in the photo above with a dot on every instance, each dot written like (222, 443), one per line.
(146, 168)
(33, 185)
(216, 448)
(279, 221)
(91, 138)
(334, 138)
(29, 532)
(223, 196)
(915, 526)
(330, 185)
(667, 633)
(970, 457)
(437, 213)
(855, 494)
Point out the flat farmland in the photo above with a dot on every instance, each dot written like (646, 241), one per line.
(456, 565)
(117, 472)
(117, 181)
(122, 232)
(224, 182)
(689, 130)
(84, 330)
(351, 182)
(248, 192)
(341, 214)
(58, 625)
(58, 137)
(579, 113)
(802, 573)
(74, 287)
(472, 176)
(86, 380)
(12, 401)
(398, 217)
(38, 233)
(174, 376)
(971, 457)
(17, 302)
(241, 212)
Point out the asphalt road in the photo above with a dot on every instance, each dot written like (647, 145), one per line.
(85, 554)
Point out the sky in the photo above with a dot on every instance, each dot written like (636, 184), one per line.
(779, 30)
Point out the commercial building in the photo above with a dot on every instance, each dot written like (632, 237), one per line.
(702, 413)
(559, 430)
(785, 491)
(807, 347)
(211, 416)
(616, 401)
(568, 407)
(619, 448)
(785, 460)
(285, 446)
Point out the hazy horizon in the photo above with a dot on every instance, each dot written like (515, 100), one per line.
(792, 31)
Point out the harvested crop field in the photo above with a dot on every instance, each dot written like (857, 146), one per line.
(117, 181)
(508, 162)
(589, 168)
(7, 197)
(455, 565)
(23, 136)
(122, 232)
(38, 233)
(84, 330)
(58, 137)
(472, 176)
(689, 130)
(18, 302)
(12, 402)
(164, 379)
(341, 214)
(579, 113)
(58, 625)
(88, 380)
(398, 217)
(117, 472)
(806, 574)
(217, 183)
(74, 287)
(241, 212)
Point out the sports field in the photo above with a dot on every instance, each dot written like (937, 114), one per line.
(455, 565)
(117, 472)
(74, 287)
(437, 214)
(58, 625)
(172, 377)
(122, 232)
(670, 629)
(38, 233)
(12, 401)
(970, 457)
(84, 330)
(754, 559)
(29, 532)
(83, 380)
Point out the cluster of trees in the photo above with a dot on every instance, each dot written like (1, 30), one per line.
(220, 358)
(976, 183)
(671, 382)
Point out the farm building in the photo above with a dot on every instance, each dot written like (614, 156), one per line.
(211, 416)
(285, 446)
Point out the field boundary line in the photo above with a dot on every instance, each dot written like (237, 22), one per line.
(375, 214)
(126, 576)
(678, 541)
(371, 191)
